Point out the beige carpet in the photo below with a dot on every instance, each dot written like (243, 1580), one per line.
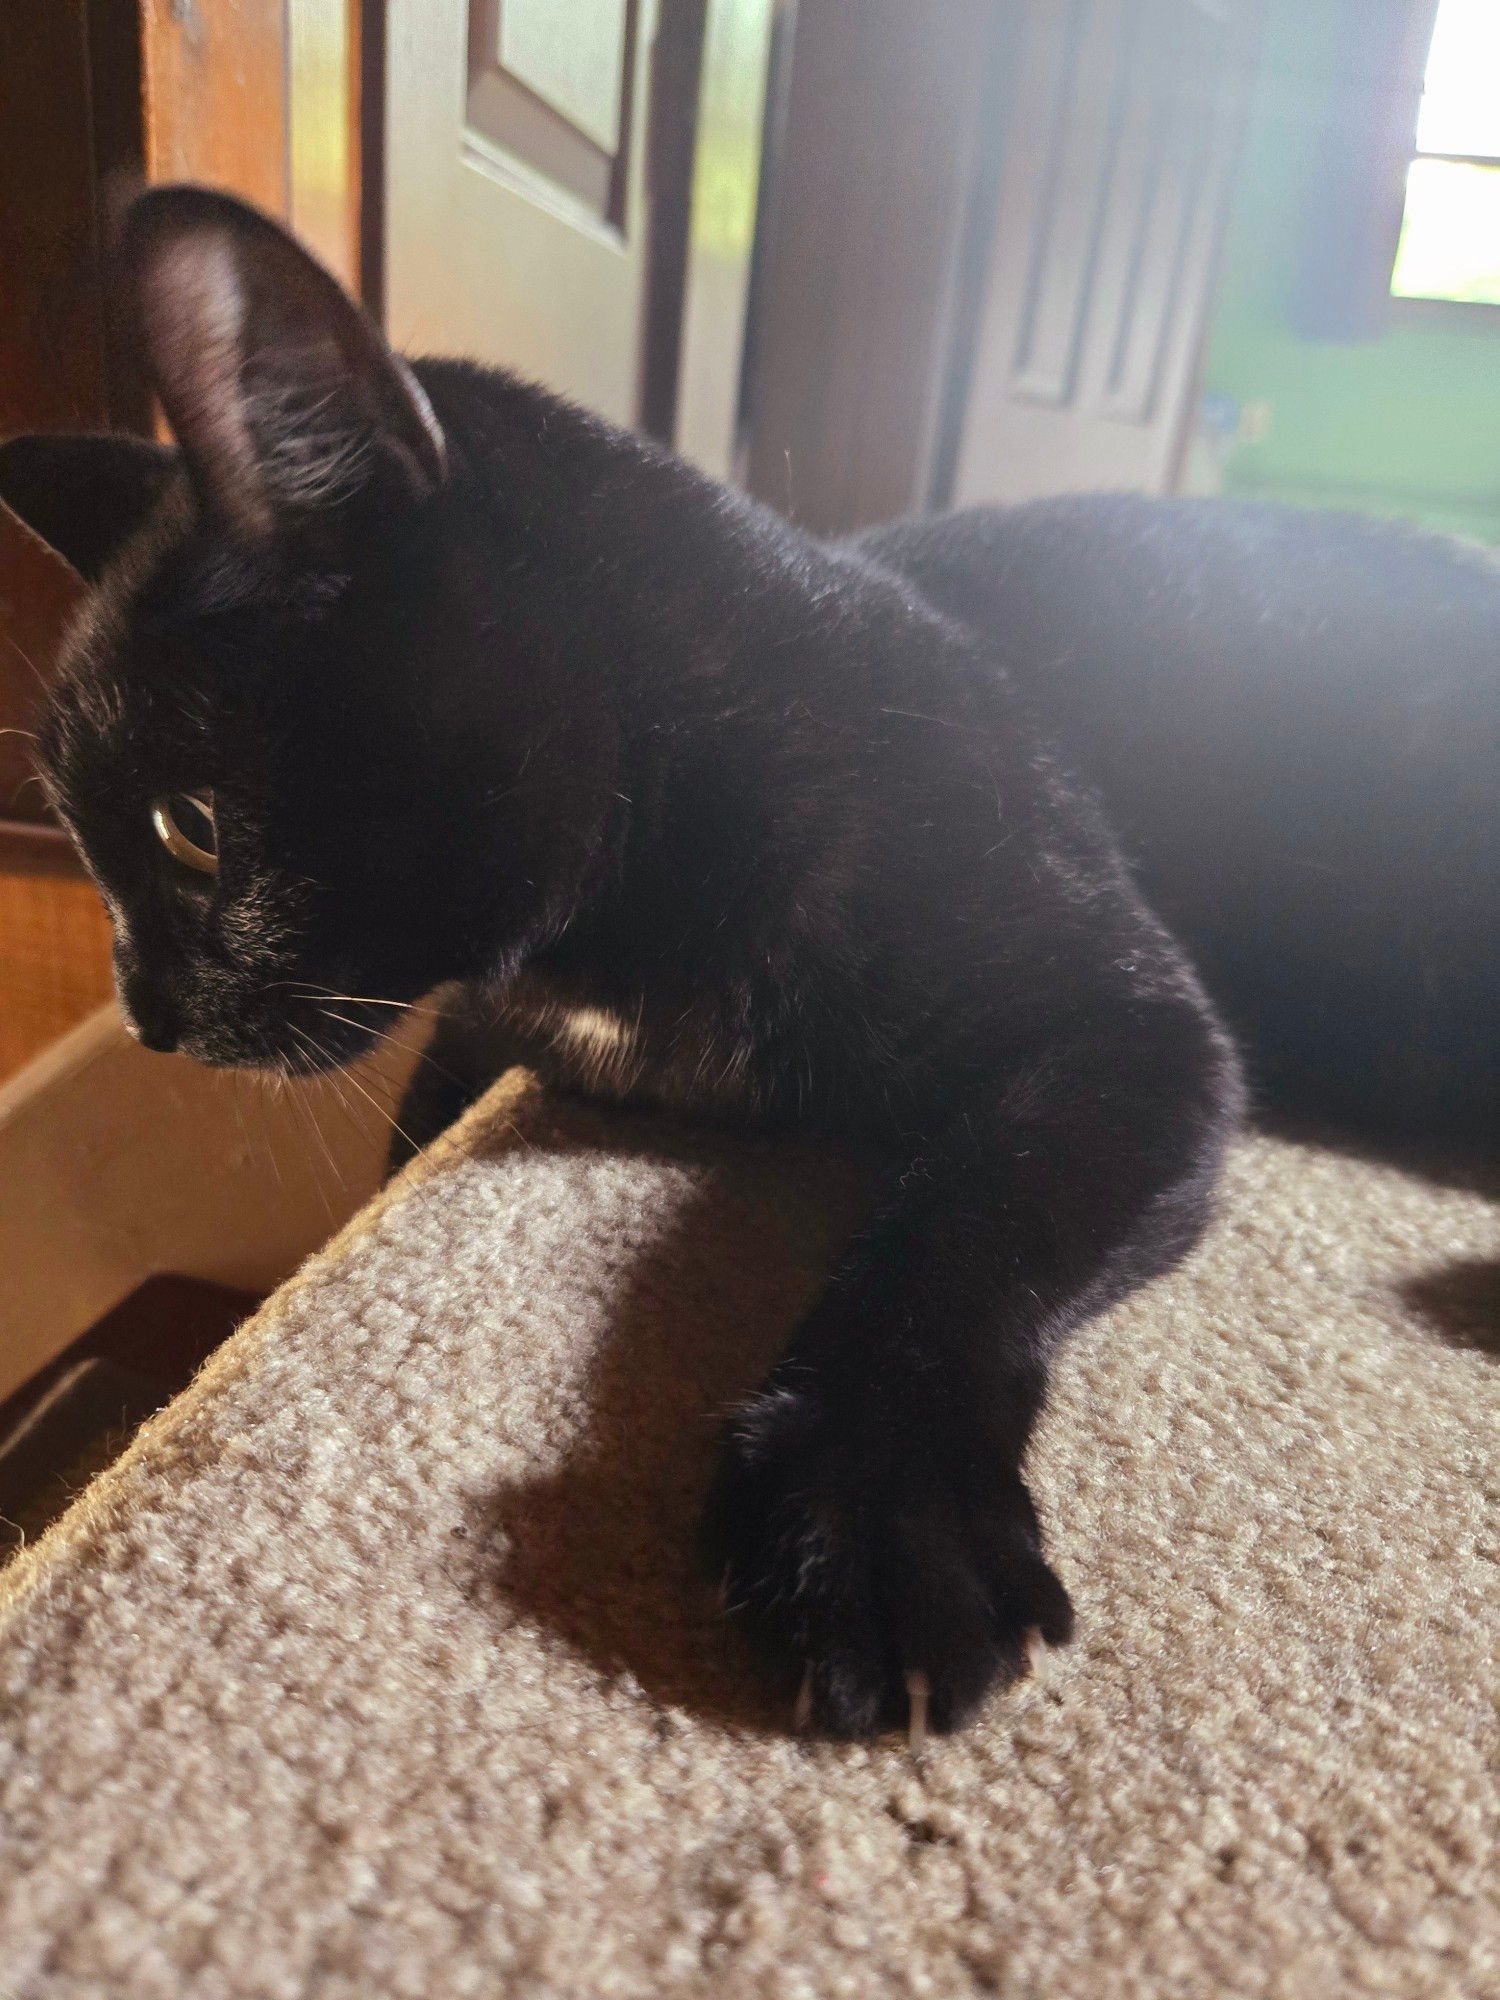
(378, 1666)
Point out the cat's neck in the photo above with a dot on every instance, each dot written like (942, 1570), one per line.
(743, 665)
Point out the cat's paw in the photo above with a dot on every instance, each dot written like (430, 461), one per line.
(890, 1577)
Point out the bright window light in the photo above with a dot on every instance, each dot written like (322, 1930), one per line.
(1450, 240)
(1461, 87)
(1450, 237)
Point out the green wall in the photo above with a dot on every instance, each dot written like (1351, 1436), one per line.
(1408, 423)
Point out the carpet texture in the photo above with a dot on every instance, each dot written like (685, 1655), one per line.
(379, 1667)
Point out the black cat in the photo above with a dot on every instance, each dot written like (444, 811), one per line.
(395, 677)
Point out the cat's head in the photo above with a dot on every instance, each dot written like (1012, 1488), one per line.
(307, 731)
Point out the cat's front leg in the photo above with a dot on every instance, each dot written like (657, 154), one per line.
(881, 1551)
(869, 1519)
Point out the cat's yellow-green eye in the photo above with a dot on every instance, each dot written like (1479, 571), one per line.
(184, 823)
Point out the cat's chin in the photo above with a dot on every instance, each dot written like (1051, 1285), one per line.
(285, 1045)
(268, 1059)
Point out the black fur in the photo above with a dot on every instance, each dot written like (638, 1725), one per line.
(76, 492)
(1295, 722)
(697, 811)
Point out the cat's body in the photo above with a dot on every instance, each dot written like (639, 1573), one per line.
(459, 685)
(1293, 722)
(1293, 726)
(833, 838)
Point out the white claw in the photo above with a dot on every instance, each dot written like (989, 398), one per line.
(917, 1692)
(802, 1712)
(1037, 1651)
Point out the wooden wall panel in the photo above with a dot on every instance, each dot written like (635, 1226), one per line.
(116, 1163)
(54, 945)
(263, 97)
(64, 131)
(93, 94)
(216, 98)
(52, 362)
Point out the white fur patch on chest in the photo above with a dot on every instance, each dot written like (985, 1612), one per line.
(592, 1033)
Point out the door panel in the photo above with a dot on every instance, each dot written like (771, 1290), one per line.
(516, 196)
(1124, 128)
(571, 53)
(571, 192)
(550, 90)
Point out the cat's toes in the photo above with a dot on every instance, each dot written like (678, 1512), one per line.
(879, 1596)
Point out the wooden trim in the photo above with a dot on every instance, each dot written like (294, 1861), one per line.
(723, 207)
(116, 106)
(676, 71)
(370, 84)
(37, 848)
(324, 132)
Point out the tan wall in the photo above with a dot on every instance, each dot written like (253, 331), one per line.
(116, 1164)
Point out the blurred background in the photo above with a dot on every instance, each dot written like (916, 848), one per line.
(860, 256)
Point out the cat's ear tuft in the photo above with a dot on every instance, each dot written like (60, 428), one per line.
(280, 390)
(83, 496)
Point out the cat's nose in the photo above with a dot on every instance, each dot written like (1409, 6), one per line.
(150, 1018)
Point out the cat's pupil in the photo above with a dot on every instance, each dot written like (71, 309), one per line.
(195, 821)
(184, 823)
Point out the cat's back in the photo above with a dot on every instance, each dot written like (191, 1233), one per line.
(1294, 721)
(1251, 604)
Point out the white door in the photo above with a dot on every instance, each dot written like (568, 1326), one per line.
(516, 224)
(571, 191)
(1124, 124)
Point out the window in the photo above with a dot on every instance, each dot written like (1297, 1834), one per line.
(1450, 235)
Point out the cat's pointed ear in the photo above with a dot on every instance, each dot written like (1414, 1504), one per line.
(83, 496)
(280, 390)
